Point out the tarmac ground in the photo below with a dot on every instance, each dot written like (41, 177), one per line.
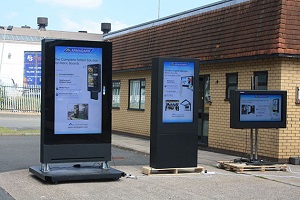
(220, 184)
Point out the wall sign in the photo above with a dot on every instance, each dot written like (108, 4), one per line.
(32, 68)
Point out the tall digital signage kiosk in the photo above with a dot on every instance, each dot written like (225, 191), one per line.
(76, 111)
(174, 120)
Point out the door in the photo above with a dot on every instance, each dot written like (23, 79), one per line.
(203, 109)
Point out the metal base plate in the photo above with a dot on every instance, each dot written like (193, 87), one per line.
(65, 173)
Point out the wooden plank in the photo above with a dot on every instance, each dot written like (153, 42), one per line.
(150, 170)
(241, 167)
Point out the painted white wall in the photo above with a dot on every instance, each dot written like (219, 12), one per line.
(13, 67)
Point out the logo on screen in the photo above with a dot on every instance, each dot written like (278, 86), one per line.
(77, 50)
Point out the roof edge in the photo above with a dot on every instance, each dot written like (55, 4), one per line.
(254, 57)
(178, 16)
(244, 58)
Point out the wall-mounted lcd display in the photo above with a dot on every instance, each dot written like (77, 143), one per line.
(77, 87)
(258, 109)
(178, 92)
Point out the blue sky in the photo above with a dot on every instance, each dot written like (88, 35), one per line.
(87, 15)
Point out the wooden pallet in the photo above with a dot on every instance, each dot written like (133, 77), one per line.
(150, 170)
(241, 167)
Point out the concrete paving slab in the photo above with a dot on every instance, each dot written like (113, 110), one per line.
(223, 185)
(22, 185)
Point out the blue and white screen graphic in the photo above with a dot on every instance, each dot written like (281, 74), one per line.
(75, 111)
(254, 107)
(178, 92)
(32, 68)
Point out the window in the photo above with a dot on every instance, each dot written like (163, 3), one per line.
(137, 94)
(231, 83)
(262, 80)
(116, 94)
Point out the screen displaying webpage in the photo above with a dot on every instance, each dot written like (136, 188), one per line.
(254, 107)
(78, 98)
(178, 92)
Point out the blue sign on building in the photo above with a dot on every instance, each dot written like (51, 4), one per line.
(32, 68)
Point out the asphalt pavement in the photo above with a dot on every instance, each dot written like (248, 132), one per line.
(130, 155)
(22, 152)
(20, 121)
(21, 184)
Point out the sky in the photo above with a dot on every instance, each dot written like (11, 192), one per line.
(87, 15)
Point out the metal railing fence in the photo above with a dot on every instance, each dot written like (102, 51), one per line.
(20, 99)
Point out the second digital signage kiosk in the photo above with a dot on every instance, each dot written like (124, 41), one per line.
(76, 110)
(174, 120)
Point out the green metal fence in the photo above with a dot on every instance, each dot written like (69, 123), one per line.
(20, 99)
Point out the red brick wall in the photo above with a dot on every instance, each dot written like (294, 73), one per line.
(256, 27)
(289, 33)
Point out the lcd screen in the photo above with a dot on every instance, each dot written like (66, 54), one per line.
(77, 74)
(260, 107)
(178, 91)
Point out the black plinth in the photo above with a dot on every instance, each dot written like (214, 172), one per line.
(70, 173)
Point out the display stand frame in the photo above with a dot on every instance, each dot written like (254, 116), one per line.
(70, 142)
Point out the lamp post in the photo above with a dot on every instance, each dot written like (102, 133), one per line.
(158, 9)
(9, 28)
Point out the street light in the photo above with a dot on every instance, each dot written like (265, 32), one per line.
(9, 28)
(158, 9)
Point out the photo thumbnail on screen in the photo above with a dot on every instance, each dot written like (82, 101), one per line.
(94, 80)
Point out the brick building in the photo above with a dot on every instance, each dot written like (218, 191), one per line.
(234, 39)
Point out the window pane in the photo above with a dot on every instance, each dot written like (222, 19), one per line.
(228, 90)
(116, 84)
(262, 78)
(231, 83)
(10, 37)
(206, 94)
(134, 99)
(19, 37)
(116, 94)
(142, 98)
(23, 37)
(232, 78)
(28, 38)
(116, 97)
(262, 87)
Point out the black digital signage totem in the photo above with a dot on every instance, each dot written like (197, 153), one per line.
(76, 110)
(174, 122)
